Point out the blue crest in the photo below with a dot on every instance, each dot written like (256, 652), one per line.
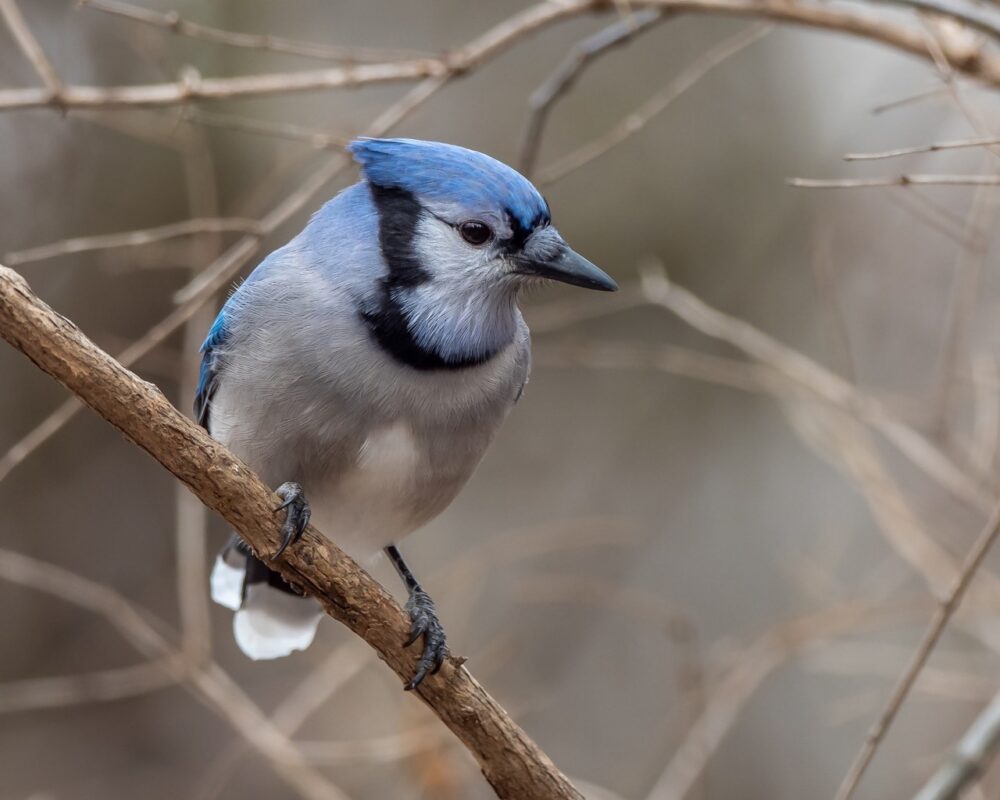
(448, 173)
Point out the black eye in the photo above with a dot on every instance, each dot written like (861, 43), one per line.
(475, 232)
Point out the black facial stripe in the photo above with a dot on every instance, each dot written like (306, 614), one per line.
(520, 233)
(398, 216)
(399, 213)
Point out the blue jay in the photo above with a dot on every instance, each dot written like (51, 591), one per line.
(368, 363)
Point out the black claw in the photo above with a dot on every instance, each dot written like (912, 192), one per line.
(296, 516)
(425, 623)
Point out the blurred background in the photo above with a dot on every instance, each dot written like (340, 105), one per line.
(702, 548)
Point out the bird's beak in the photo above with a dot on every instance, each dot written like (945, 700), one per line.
(568, 266)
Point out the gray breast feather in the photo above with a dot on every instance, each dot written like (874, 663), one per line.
(305, 394)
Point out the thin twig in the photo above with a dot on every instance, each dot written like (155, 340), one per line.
(934, 147)
(981, 63)
(753, 665)
(91, 687)
(194, 87)
(317, 139)
(210, 684)
(656, 105)
(136, 238)
(964, 296)
(580, 56)
(909, 99)
(174, 23)
(938, 622)
(898, 180)
(817, 380)
(32, 49)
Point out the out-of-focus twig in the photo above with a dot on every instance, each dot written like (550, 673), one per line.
(818, 380)
(981, 18)
(898, 180)
(193, 87)
(109, 684)
(938, 622)
(318, 139)
(986, 412)
(656, 105)
(979, 63)
(583, 53)
(31, 48)
(970, 262)
(136, 238)
(970, 758)
(934, 147)
(840, 437)
(172, 22)
(210, 684)
(909, 99)
(753, 665)
(309, 694)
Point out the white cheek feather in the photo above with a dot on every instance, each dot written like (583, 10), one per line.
(468, 306)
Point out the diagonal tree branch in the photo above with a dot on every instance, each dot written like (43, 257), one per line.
(511, 762)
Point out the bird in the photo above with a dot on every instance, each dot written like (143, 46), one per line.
(364, 368)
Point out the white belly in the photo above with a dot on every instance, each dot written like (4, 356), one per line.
(391, 489)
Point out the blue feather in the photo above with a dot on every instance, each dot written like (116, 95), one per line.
(449, 173)
(208, 375)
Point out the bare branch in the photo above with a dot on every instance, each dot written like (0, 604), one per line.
(31, 48)
(490, 44)
(979, 17)
(109, 684)
(174, 23)
(136, 238)
(938, 622)
(320, 140)
(581, 55)
(934, 147)
(511, 762)
(914, 97)
(753, 665)
(820, 382)
(657, 104)
(976, 62)
(898, 180)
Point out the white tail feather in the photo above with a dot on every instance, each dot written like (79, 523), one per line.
(227, 583)
(273, 623)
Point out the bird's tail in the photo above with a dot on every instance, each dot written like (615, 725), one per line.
(272, 619)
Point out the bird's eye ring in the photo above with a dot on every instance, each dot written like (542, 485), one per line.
(475, 232)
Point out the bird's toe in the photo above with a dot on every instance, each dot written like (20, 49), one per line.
(424, 622)
(297, 513)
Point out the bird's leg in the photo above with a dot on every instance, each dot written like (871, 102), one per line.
(296, 516)
(423, 622)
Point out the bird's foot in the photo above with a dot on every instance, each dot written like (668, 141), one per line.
(296, 515)
(424, 622)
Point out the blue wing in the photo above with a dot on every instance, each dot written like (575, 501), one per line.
(208, 376)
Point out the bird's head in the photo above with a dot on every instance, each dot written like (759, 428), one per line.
(457, 215)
